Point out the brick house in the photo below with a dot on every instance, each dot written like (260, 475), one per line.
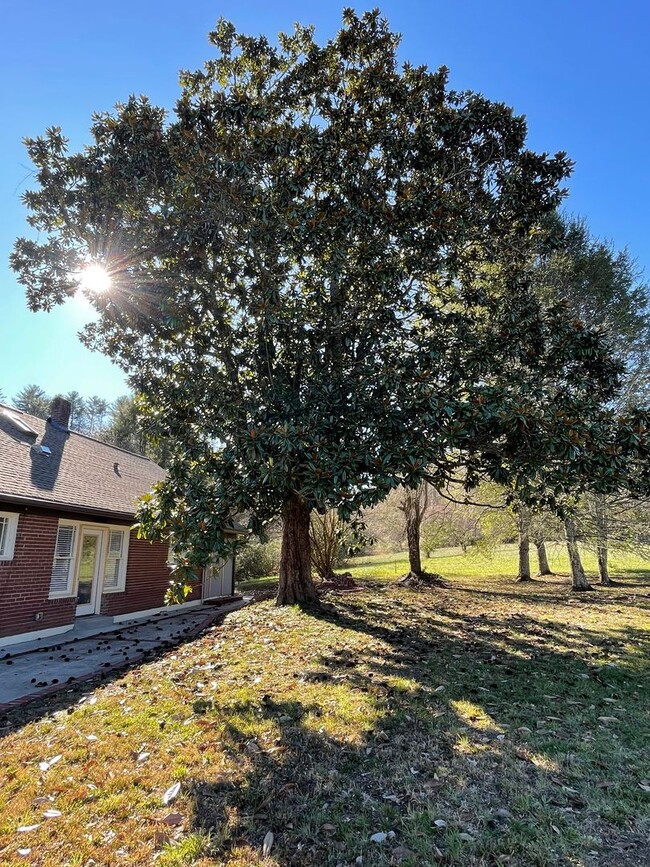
(67, 550)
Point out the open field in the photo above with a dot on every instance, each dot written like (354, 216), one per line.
(487, 723)
(501, 563)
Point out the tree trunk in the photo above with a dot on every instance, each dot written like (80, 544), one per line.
(523, 525)
(578, 577)
(542, 557)
(413, 539)
(414, 505)
(603, 569)
(295, 584)
(602, 529)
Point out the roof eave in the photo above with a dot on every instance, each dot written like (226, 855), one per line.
(65, 507)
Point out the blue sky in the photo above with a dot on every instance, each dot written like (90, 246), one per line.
(578, 69)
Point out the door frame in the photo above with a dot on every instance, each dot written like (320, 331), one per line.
(93, 606)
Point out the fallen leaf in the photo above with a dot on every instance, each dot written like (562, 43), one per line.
(267, 845)
(24, 829)
(466, 837)
(171, 794)
(174, 819)
(328, 827)
(608, 719)
(379, 837)
(440, 823)
(52, 814)
(401, 853)
(645, 787)
(45, 766)
(24, 852)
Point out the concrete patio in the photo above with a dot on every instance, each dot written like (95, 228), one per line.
(96, 645)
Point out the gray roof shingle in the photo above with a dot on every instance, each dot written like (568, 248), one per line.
(79, 473)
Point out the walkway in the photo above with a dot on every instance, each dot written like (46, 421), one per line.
(31, 670)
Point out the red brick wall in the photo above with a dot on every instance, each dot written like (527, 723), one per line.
(147, 579)
(25, 580)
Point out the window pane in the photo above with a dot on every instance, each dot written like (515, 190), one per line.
(113, 564)
(63, 556)
(4, 523)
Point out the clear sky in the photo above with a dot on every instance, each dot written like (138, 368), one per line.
(578, 69)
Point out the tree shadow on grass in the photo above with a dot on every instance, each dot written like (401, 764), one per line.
(506, 733)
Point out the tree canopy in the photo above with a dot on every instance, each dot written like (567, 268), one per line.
(319, 284)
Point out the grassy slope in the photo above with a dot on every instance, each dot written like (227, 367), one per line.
(486, 723)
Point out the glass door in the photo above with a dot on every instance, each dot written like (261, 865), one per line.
(88, 576)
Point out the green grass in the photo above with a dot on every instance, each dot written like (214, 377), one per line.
(476, 563)
(500, 563)
(486, 723)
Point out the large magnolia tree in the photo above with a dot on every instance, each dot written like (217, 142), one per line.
(317, 282)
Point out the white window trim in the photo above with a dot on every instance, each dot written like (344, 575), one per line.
(72, 568)
(71, 590)
(121, 580)
(10, 535)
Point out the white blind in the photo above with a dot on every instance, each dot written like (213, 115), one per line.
(114, 559)
(4, 533)
(63, 556)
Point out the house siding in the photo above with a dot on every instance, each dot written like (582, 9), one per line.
(147, 579)
(25, 580)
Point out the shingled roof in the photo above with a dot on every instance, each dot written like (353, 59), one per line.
(44, 464)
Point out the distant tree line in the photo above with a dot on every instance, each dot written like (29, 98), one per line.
(115, 422)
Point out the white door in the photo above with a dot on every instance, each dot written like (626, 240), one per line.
(217, 579)
(88, 573)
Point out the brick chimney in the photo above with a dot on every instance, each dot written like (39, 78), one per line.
(60, 409)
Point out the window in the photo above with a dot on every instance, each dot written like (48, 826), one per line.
(63, 565)
(114, 550)
(115, 563)
(8, 527)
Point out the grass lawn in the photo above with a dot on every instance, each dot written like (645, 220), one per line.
(453, 563)
(487, 723)
(501, 563)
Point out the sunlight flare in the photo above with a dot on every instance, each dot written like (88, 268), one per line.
(94, 278)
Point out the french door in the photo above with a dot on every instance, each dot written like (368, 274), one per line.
(89, 575)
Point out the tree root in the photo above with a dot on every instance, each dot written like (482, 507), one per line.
(582, 589)
(421, 581)
(337, 581)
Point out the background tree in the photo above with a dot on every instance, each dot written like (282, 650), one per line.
(32, 399)
(96, 409)
(317, 283)
(414, 504)
(603, 288)
(332, 542)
